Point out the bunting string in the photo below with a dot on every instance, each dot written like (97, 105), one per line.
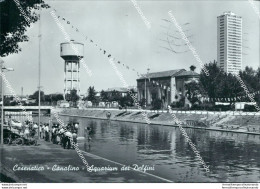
(154, 82)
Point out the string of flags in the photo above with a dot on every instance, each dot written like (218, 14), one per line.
(104, 51)
(154, 82)
(87, 38)
(232, 99)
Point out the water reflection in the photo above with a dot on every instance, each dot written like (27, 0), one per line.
(232, 157)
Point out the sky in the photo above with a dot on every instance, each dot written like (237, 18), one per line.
(117, 27)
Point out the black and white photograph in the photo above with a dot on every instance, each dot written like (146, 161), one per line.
(130, 91)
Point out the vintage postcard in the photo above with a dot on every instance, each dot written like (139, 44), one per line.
(130, 91)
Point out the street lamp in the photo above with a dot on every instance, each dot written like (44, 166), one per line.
(2, 95)
(145, 86)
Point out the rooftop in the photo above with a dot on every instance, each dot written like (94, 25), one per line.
(229, 13)
(170, 73)
(188, 73)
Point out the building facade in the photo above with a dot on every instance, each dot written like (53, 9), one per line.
(229, 42)
(167, 85)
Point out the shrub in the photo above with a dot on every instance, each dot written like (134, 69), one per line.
(181, 102)
(249, 108)
(173, 105)
(156, 104)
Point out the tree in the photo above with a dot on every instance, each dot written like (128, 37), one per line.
(115, 96)
(229, 87)
(35, 95)
(192, 68)
(220, 84)
(91, 94)
(47, 98)
(193, 91)
(210, 83)
(103, 96)
(72, 97)
(56, 97)
(251, 78)
(126, 101)
(15, 19)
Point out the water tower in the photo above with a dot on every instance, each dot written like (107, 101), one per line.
(71, 52)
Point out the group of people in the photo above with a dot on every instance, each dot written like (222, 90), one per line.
(62, 135)
(29, 131)
(57, 134)
(44, 131)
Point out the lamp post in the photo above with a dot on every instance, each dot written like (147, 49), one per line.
(2, 96)
(145, 87)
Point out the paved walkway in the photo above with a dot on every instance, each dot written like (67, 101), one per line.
(47, 155)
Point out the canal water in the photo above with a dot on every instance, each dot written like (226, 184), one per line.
(231, 157)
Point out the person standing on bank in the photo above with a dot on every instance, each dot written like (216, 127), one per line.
(36, 134)
(46, 132)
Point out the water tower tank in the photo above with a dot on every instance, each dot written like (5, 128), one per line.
(71, 52)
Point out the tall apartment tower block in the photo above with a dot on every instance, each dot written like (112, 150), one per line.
(71, 52)
(229, 42)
